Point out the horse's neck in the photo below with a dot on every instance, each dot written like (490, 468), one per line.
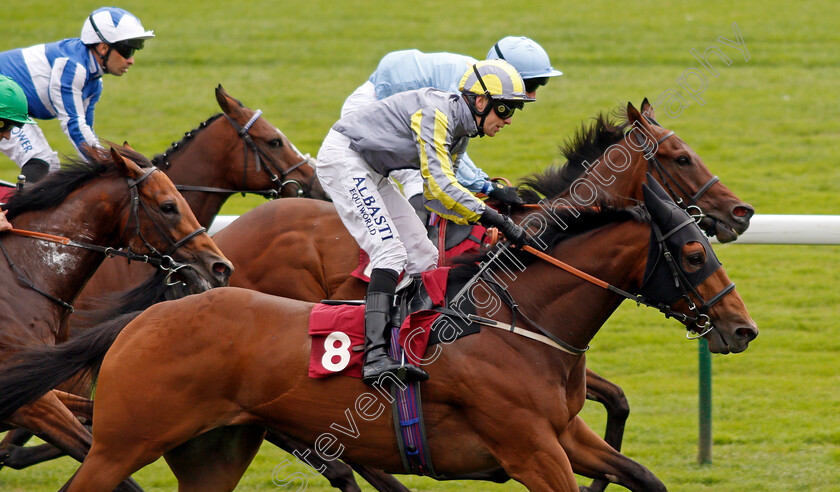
(59, 270)
(618, 179)
(573, 308)
(203, 165)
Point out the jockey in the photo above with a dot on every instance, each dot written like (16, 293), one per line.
(63, 80)
(13, 114)
(426, 130)
(411, 69)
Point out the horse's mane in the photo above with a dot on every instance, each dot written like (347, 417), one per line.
(563, 224)
(53, 189)
(160, 160)
(586, 145)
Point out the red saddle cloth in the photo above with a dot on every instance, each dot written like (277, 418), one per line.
(338, 332)
(6, 193)
(468, 245)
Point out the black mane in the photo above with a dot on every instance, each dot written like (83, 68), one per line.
(562, 225)
(586, 145)
(160, 160)
(53, 190)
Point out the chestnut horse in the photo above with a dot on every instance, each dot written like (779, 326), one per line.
(208, 165)
(116, 201)
(300, 249)
(234, 361)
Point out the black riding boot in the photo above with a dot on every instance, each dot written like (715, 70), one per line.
(378, 307)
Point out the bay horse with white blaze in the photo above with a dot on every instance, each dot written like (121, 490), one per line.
(208, 165)
(65, 226)
(235, 361)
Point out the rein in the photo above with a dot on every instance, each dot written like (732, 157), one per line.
(269, 193)
(160, 260)
(667, 179)
(259, 156)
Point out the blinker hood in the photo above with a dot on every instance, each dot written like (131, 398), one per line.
(671, 228)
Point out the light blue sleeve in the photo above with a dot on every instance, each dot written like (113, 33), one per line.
(469, 175)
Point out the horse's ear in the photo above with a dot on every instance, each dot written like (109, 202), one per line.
(655, 205)
(654, 186)
(228, 104)
(633, 115)
(127, 167)
(125, 144)
(647, 109)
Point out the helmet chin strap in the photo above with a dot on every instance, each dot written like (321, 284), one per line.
(480, 114)
(105, 58)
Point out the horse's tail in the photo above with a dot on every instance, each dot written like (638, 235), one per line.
(32, 372)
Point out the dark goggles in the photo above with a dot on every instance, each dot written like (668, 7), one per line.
(505, 109)
(7, 125)
(127, 48)
(531, 85)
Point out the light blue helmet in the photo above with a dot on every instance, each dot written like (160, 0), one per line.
(528, 57)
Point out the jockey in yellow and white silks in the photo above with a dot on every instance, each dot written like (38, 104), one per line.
(425, 129)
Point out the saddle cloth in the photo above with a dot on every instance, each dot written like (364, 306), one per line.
(338, 332)
(458, 240)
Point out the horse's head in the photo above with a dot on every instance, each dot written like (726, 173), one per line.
(157, 221)
(683, 272)
(277, 163)
(684, 175)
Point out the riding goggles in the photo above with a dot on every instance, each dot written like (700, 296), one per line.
(127, 47)
(505, 109)
(531, 85)
(7, 125)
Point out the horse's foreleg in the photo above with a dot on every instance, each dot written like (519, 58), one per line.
(17, 457)
(215, 460)
(612, 397)
(339, 474)
(593, 457)
(48, 419)
(55, 424)
(380, 480)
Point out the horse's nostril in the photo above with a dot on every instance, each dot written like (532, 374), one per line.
(747, 333)
(222, 269)
(743, 211)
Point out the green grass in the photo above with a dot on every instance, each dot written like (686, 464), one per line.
(768, 128)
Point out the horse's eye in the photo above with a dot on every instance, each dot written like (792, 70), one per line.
(683, 160)
(169, 208)
(696, 259)
(275, 143)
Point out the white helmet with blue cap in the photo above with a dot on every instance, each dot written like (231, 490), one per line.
(112, 25)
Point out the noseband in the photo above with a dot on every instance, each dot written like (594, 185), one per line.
(668, 180)
(157, 259)
(270, 164)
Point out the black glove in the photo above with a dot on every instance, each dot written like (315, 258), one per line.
(515, 234)
(504, 194)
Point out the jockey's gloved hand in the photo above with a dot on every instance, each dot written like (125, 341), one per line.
(515, 234)
(504, 194)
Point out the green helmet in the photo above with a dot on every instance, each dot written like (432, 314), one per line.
(13, 106)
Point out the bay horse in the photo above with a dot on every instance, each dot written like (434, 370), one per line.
(208, 165)
(234, 361)
(304, 240)
(65, 226)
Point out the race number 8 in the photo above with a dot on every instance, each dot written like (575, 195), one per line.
(340, 350)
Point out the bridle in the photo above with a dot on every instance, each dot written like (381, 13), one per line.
(684, 289)
(278, 182)
(270, 164)
(163, 261)
(668, 180)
